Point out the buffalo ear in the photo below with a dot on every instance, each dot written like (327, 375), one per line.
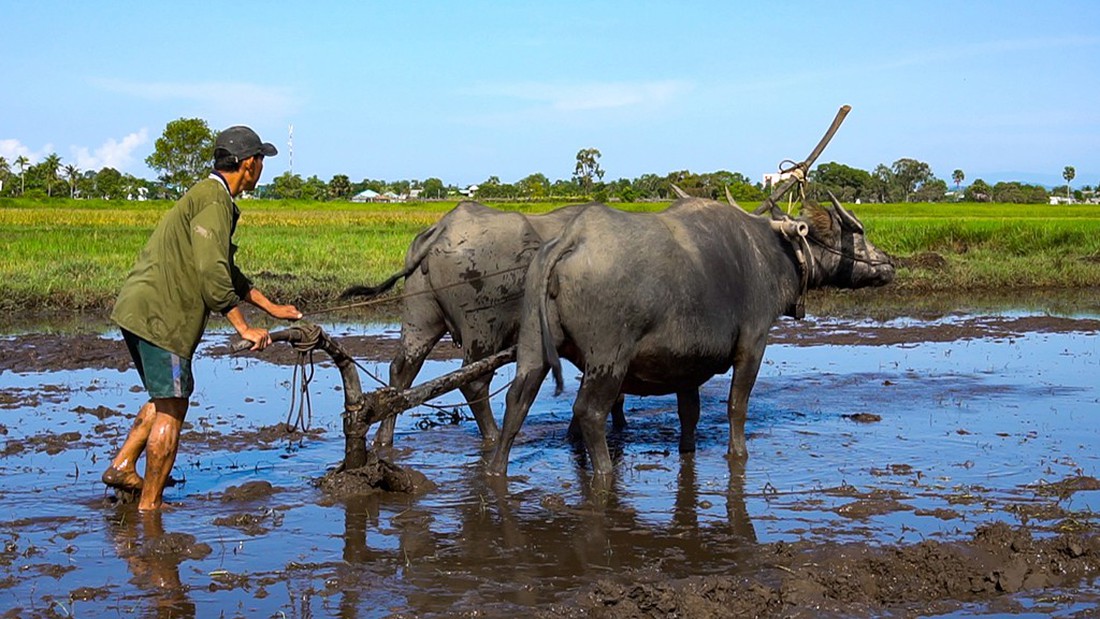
(811, 210)
(820, 219)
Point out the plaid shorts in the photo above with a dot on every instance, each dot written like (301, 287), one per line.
(164, 374)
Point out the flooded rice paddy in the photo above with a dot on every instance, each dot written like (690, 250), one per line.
(864, 434)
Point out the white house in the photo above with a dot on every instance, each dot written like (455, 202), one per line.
(367, 195)
(775, 178)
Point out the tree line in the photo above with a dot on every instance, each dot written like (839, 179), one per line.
(182, 156)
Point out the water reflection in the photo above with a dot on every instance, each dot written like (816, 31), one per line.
(522, 547)
(153, 558)
(988, 417)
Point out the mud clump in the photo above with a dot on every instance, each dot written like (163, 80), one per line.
(863, 417)
(252, 524)
(249, 491)
(174, 547)
(853, 579)
(377, 475)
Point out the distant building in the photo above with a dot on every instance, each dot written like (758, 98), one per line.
(775, 178)
(369, 195)
(469, 192)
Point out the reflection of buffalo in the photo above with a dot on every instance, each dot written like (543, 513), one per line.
(465, 275)
(656, 303)
(501, 553)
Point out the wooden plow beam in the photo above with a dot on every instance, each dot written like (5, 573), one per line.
(361, 410)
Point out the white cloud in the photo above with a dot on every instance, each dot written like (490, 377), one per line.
(117, 154)
(11, 149)
(220, 98)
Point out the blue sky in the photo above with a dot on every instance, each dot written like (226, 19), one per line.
(467, 90)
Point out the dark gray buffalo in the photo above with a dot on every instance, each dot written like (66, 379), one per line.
(465, 275)
(659, 303)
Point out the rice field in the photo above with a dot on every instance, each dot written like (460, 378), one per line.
(74, 254)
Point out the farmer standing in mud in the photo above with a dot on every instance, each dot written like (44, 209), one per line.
(186, 271)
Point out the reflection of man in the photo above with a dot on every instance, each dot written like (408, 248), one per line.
(154, 559)
(186, 271)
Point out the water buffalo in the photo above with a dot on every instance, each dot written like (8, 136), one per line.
(465, 275)
(659, 303)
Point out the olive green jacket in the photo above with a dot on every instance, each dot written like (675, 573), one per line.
(185, 271)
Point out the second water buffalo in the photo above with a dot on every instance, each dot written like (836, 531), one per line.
(465, 276)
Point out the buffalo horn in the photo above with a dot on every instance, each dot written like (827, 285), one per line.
(680, 193)
(845, 217)
(729, 198)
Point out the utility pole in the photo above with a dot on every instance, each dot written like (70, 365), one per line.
(290, 146)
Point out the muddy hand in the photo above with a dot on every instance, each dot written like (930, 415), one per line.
(260, 338)
(286, 312)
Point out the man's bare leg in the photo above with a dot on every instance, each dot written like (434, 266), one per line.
(161, 448)
(122, 473)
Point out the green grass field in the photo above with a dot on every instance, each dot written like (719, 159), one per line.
(74, 254)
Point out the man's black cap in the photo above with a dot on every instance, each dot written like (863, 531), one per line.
(242, 143)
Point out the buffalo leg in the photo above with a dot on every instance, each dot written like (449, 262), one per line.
(521, 395)
(415, 345)
(594, 401)
(618, 417)
(746, 365)
(476, 393)
(687, 406)
(618, 421)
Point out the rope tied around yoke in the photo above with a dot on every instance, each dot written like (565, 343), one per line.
(797, 171)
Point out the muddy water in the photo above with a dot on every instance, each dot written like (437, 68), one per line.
(880, 440)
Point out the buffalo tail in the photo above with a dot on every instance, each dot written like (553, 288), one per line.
(418, 250)
(555, 251)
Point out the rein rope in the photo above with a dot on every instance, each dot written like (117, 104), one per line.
(389, 299)
(311, 339)
(837, 252)
(302, 376)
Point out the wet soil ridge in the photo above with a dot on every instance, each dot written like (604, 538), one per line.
(377, 475)
(854, 579)
(49, 352)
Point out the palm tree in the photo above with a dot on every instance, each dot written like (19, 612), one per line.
(5, 171)
(72, 173)
(587, 168)
(1068, 174)
(958, 177)
(22, 162)
(52, 163)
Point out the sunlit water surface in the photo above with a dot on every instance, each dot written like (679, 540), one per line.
(995, 415)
